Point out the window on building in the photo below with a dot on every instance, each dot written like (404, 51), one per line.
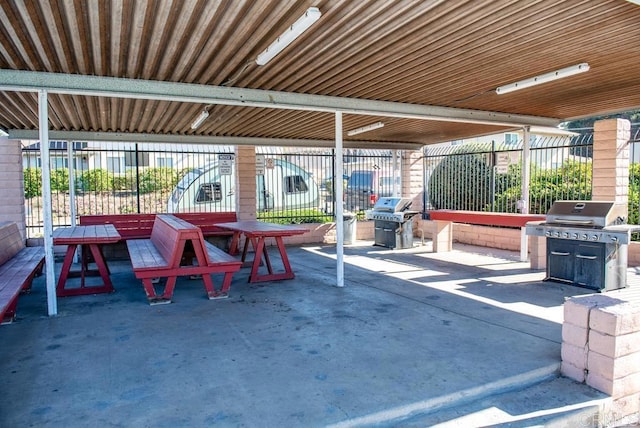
(295, 184)
(114, 164)
(164, 162)
(130, 159)
(510, 138)
(209, 192)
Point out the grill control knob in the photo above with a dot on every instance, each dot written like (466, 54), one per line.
(565, 234)
(614, 239)
(557, 234)
(575, 236)
(594, 238)
(585, 236)
(549, 233)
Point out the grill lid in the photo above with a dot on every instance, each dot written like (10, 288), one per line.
(587, 213)
(392, 204)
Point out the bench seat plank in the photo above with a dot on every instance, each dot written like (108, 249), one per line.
(18, 266)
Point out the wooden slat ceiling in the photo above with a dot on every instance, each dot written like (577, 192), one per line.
(450, 53)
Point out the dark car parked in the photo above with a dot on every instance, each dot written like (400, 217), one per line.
(365, 187)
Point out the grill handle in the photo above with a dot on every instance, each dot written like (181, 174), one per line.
(574, 221)
(558, 253)
(580, 256)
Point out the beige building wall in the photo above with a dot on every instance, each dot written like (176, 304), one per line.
(12, 183)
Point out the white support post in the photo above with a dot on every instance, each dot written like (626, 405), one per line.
(396, 173)
(524, 203)
(337, 180)
(43, 117)
(72, 189)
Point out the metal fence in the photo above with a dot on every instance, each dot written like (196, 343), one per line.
(293, 185)
(487, 176)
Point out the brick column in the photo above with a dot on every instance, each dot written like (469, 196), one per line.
(601, 346)
(246, 184)
(12, 183)
(611, 160)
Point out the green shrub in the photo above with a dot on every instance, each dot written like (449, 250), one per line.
(32, 182)
(461, 181)
(97, 180)
(60, 180)
(158, 179)
(295, 217)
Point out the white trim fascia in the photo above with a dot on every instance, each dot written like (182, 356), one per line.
(100, 86)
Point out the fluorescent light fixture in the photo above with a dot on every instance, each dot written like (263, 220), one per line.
(366, 128)
(203, 116)
(543, 78)
(300, 26)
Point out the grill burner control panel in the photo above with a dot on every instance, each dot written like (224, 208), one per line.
(593, 236)
(612, 234)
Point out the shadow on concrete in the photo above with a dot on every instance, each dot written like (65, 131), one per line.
(409, 334)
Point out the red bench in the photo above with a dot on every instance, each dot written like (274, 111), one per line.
(18, 266)
(485, 218)
(168, 254)
(140, 226)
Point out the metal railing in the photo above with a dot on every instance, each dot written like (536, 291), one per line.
(293, 185)
(488, 176)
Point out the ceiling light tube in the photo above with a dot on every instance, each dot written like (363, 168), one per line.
(543, 78)
(300, 26)
(203, 116)
(366, 128)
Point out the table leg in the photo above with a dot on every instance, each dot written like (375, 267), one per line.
(235, 240)
(66, 267)
(260, 251)
(106, 287)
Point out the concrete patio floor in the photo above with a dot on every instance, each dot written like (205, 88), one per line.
(414, 339)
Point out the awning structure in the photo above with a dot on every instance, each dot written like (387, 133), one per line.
(137, 68)
(199, 71)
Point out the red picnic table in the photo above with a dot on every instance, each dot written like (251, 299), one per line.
(91, 237)
(256, 233)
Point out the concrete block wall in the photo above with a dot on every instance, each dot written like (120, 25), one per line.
(611, 160)
(484, 236)
(12, 183)
(246, 185)
(601, 347)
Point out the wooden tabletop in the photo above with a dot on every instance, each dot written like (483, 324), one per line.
(260, 228)
(99, 234)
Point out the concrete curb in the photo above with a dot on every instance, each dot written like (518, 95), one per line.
(397, 414)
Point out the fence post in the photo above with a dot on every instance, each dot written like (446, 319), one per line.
(137, 179)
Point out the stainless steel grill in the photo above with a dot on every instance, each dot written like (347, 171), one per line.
(393, 227)
(587, 243)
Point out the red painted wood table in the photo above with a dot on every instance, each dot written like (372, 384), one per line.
(256, 233)
(91, 238)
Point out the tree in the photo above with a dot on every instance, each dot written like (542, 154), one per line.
(461, 181)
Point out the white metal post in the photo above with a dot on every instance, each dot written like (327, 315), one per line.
(395, 173)
(43, 119)
(72, 189)
(524, 203)
(337, 184)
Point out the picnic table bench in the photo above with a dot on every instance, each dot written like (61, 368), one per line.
(18, 266)
(140, 226)
(168, 253)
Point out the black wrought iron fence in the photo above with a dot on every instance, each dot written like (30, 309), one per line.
(293, 185)
(488, 176)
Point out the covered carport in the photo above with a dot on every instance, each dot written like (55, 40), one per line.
(429, 71)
